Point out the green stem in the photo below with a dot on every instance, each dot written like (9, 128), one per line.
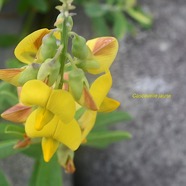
(64, 42)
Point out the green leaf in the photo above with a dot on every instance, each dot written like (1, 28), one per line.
(39, 5)
(100, 26)
(3, 180)
(46, 174)
(7, 40)
(4, 136)
(1, 4)
(9, 96)
(142, 18)
(102, 139)
(105, 119)
(15, 129)
(120, 25)
(129, 4)
(33, 151)
(13, 63)
(93, 9)
(23, 6)
(6, 148)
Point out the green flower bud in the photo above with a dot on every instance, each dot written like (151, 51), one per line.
(79, 47)
(29, 73)
(76, 81)
(59, 21)
(49, 71)
(69, 23)
(88, 64)
(48, 48)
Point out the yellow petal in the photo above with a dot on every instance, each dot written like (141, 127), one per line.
(35, 92)
(68, 134)
(100, 88)
(62, 104)
(109, 105)
(49, 147)
(27, 49)
(47, 131)
(87, 122)
(11, 75)
(43, 117)
(104, 50)
(18, 113)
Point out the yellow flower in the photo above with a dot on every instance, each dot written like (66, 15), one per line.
(99, 90)
(104, 50)
(27, 49)
(27, 52)
(53, 120)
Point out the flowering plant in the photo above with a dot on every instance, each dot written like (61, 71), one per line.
(58, 109)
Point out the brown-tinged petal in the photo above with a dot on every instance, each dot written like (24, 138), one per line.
(11, 75)
(18, 113)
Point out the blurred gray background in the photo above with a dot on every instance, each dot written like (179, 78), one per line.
(152, 62)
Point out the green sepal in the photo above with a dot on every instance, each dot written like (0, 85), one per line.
(64, 154)
(49, 71)
(79, 47)
(29, 73)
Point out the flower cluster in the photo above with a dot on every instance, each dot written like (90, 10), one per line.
(57, 103)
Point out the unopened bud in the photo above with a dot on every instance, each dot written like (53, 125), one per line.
(65, 158)
(76, 81)
(29, 73)
(79, 47)
(88, 64)
(49, 71)
(48, 48)
(69, 23)
(59, 21)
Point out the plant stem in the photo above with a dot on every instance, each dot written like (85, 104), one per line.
(64, 42)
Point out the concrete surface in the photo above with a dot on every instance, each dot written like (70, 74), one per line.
(153, 62)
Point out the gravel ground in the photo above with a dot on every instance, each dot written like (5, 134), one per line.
(152, 62)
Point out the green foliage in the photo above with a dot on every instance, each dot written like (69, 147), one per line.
(13, 63)
(93, 9)
(6, 148)
(7, 40)
(1, 3)
(101, 136)
(7, 96)
(115, 17)
(46, 174)
(3, 180)
(106, 119)
(102, 139)
(109, 17)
